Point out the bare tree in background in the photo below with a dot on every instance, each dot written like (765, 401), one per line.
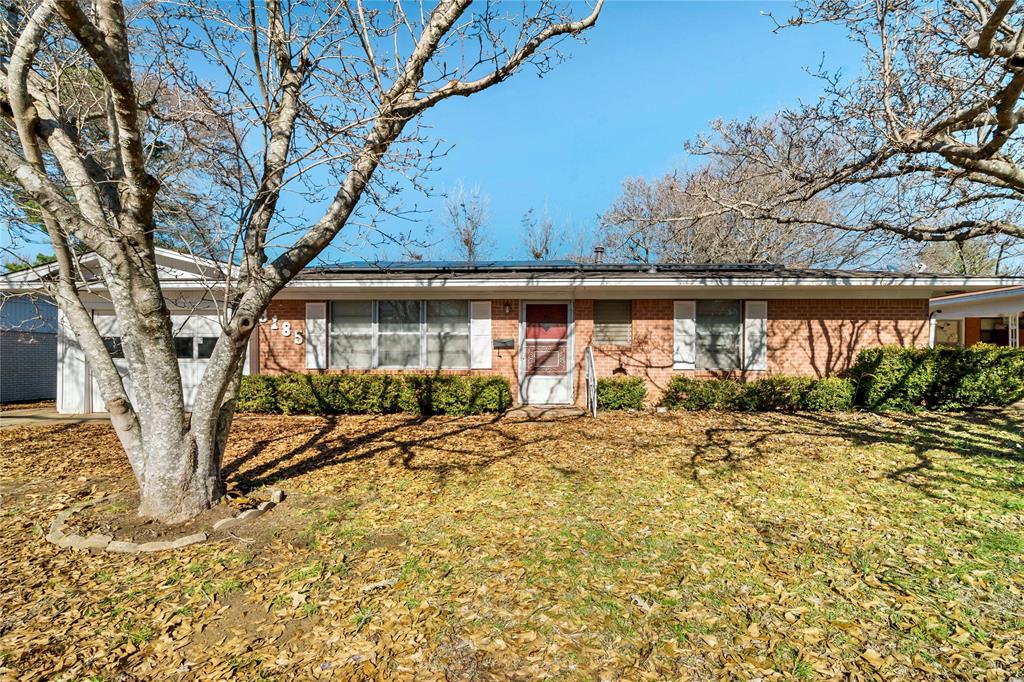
(540, 237)
(923, 144)
(990, 255)
(468, 217)
(680, 218)
(311, 97)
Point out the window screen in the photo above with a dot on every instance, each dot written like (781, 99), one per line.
(183, 347)
(206, 345)
(399, 338)
(613, 323)
(447, 334)
(719, 334)
(351, 334)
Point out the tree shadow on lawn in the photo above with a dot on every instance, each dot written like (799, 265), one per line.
(440, 445)
(923, 434)
(735, 446)
(402, 440)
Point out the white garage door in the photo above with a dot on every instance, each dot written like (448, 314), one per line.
(194, 339)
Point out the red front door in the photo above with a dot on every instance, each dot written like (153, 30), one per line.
(546, 347)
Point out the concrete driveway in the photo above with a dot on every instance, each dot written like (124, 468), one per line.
(42, 416)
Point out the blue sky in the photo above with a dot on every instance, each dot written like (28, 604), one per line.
(651, 75)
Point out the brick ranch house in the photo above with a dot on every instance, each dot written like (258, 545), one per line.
(532, 322)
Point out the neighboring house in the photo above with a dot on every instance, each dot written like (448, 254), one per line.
(28, 348)
(532, 322)
(995, 317)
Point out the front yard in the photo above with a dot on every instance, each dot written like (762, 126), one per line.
(632, 546)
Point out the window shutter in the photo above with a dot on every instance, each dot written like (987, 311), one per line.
(755, 335)
(480, 334)
(684, 328)
(316, 335)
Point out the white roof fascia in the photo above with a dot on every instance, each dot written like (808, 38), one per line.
(859, 286)
(981, 304)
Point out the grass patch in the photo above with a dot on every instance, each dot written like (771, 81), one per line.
(794, 546)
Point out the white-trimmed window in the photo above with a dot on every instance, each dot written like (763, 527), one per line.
(447, 334)
(351, 332)
(613, 323)
(719, 334)
(400, 334)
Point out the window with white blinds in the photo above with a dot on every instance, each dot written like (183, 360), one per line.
(613, 323)
(351, 333)
(400, 334)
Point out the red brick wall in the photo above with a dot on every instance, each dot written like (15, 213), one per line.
(649, 355)
(806, 337)
(821, 337)
(280, 353)
(505, 325)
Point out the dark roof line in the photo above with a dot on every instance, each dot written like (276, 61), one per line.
(568, 266)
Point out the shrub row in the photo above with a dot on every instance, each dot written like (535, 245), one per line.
(882, 379)
(373, 394)
(621, 393)
(772, 394)
(905, 379)
(885, 378)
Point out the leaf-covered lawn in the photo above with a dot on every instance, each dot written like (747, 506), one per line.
(709, 546)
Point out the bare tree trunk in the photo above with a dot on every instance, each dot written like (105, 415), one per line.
(172, 492)
(99, 193)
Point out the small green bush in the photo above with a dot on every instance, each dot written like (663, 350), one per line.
(684, 393)
(359, 393)
(774, 394)
(621, 393)
(893, 377)
(257, 394)
(489, 394)
(830, 394)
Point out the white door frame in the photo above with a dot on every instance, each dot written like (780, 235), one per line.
(570, 346)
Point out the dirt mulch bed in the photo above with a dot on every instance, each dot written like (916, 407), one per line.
(116, 515)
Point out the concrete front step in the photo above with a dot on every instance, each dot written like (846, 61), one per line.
(542, 412)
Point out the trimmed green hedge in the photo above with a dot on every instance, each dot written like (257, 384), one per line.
(905, 379)
(769, 394)
(257, 394)
(374, 394)
(684, 393)
(453, 394)
(621, 393)
(889, 378)
(774, 394)
(831, 394)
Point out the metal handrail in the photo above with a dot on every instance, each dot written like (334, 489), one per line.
(591, 370)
